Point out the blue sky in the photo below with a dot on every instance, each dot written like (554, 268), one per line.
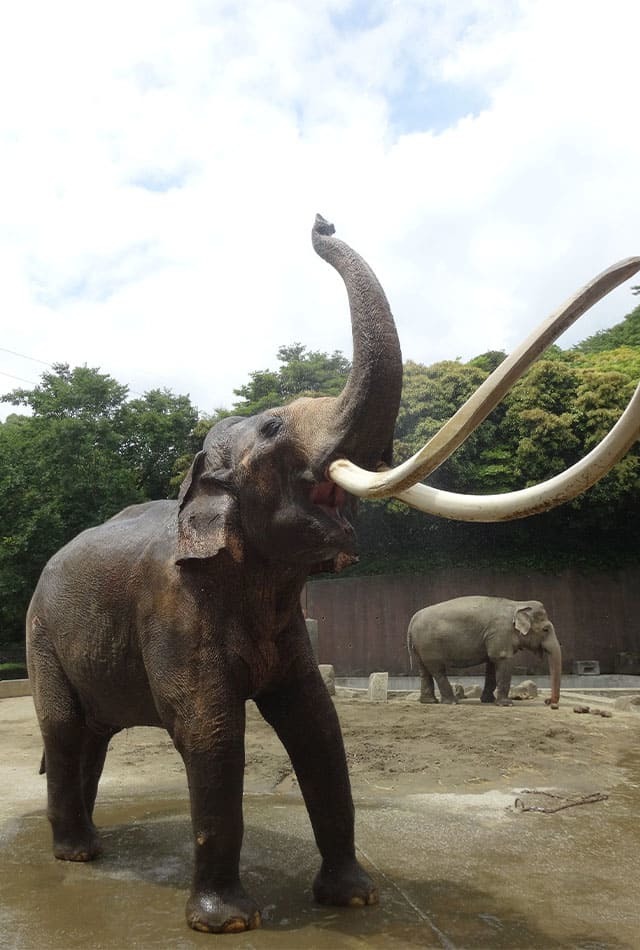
(161, 165)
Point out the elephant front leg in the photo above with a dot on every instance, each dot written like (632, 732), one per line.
(218, 902)
(305, 720)
(489, 689)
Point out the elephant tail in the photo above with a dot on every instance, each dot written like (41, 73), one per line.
(409, 648)
(43, 765)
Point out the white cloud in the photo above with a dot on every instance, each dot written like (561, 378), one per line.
(161, 164)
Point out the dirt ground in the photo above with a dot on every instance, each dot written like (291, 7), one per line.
(399, 745)
(435, 790)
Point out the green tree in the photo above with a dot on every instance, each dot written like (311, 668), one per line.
(302, 373)
(83, 454)
(625, 333)
(156, 429)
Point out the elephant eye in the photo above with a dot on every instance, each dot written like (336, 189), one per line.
(271, 427)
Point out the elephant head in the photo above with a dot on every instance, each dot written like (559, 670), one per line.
(535, 632)
(284, 481)
(262, 481)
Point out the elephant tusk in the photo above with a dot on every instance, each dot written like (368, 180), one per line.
(388, 482)
(518, 504)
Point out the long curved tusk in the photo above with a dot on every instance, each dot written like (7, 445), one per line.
(518, 504)
(454, 432)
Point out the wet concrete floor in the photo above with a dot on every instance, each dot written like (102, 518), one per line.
(454, 871)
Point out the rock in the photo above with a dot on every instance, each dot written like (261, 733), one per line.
(329, 676)
(473, 692)
(378, 683)
(581, 709)
(628, 703)
(458, 690)
(525, 690)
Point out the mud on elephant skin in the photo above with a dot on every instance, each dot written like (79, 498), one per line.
(470, 630)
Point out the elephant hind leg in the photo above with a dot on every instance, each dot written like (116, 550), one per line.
(446, 691)
(427, 689)
(68, 744)
(93, 755)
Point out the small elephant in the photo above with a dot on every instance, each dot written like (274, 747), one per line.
(470, 630)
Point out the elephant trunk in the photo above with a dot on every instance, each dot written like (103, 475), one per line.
(365, 413)
(552, 648)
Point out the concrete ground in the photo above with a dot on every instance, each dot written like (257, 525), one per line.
(458, 862)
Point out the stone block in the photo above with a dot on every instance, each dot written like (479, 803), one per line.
(329, 676)
(378, 686)
(12, 688)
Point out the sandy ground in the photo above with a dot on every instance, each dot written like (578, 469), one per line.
(439, 781)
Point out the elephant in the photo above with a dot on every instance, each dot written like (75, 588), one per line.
(471, 630)
(176, 613)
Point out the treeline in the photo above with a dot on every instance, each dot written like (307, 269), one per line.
(87, 450)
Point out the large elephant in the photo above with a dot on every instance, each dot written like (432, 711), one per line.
(174, 613)
(470, 630)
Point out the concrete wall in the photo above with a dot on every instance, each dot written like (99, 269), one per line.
(362, 621)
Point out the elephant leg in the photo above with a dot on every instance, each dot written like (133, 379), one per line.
(488, 692)
(65, 735)
(93, 756)
(303, 716)
(427, 692)
(74, 835)
(446, 692)
(503, 681)
(212, 748)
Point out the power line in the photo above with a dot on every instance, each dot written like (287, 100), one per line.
(24, 357)
(19, 378)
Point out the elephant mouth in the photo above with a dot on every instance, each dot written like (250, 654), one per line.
(332, 500)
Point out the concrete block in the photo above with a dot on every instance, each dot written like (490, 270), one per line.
(378, 687)
(11, 688)
(329, 676)
(586, 667)
(312, 630)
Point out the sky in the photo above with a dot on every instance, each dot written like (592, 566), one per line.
(161, 165)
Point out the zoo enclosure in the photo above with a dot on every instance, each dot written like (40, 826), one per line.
(362, 621)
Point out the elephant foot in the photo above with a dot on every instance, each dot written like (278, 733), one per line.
(487, 698)
(449, 700)
(348, 885)
(504, 702)
(77, 847)
(226, 911)
(429, 700)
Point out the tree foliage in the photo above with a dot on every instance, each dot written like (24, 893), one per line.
(82, 455)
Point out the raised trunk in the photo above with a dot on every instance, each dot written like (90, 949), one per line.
(366, 411)
(552, 648)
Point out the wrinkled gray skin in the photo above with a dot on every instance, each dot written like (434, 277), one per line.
(174, 614)
(471, 630)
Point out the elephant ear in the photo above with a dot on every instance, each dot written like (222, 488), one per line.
(207, 511)
(522, 620)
